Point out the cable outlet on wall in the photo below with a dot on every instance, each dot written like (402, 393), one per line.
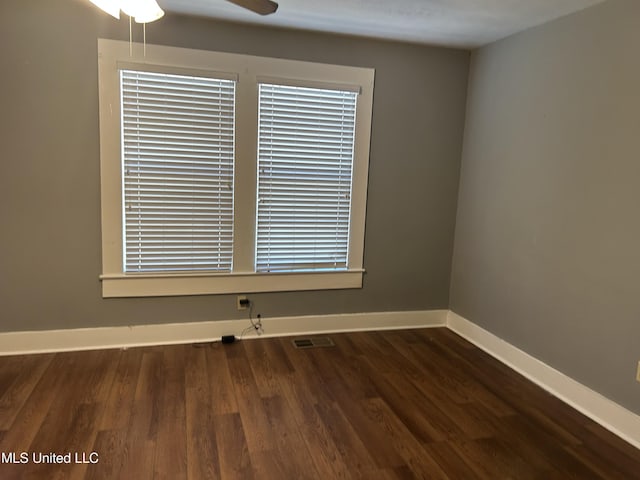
(242, 302)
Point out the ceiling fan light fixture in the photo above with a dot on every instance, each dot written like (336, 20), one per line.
(143, 11)
(112, 7)
(150, 15)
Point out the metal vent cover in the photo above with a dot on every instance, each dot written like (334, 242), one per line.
(312, 342)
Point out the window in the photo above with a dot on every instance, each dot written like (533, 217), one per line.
(225, 173)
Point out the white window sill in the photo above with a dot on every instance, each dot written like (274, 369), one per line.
(161, 285)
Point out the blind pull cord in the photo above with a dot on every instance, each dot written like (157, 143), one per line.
(144, 39)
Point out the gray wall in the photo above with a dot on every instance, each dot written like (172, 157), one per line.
(547, 244)
(49, 168)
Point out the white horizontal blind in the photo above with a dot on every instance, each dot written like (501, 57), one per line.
(305, 157)
(178, 151)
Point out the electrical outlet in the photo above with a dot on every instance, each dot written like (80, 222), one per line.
(638, 373)
(242, 302)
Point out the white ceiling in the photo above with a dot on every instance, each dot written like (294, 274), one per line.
(454, 23)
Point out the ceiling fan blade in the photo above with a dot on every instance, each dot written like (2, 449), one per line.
(262, 7)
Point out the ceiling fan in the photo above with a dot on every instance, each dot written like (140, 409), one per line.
(261, 7)
(145, 11)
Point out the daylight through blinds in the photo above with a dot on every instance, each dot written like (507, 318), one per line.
(305, 158)
(178, 152)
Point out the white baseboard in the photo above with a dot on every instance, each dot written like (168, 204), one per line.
(607, 413)
(14, 343)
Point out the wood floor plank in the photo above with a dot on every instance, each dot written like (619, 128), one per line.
(540, 448)
(10, 368)
(385, 456)
(31, 415)
(349, 371)
(76, 412)
(401, 438)
(268, 362)
(235, 462)
(119, 400)
(222, 392)
(422, 424)
(268, 464)
(100, 379)
(597, 465)
(288, 439)
(470, 417)
(449, 461)
(110, 447)
(428, 349)
(171, 440)
(138, 456)
(81, 433)
(354, 453)
(257, 429)
(609, 455)
(314, 388)
(16, 386)
(523, 397)
(302, 391)
(202, 449)
(490, 458)
(420, 409)
(348, 387)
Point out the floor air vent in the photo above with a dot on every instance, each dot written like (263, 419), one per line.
(313, 342)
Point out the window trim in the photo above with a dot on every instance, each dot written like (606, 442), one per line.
(248, 71)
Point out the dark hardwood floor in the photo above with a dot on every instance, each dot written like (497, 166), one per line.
(386, 405)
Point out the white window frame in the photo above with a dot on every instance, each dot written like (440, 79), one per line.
(248, 71)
